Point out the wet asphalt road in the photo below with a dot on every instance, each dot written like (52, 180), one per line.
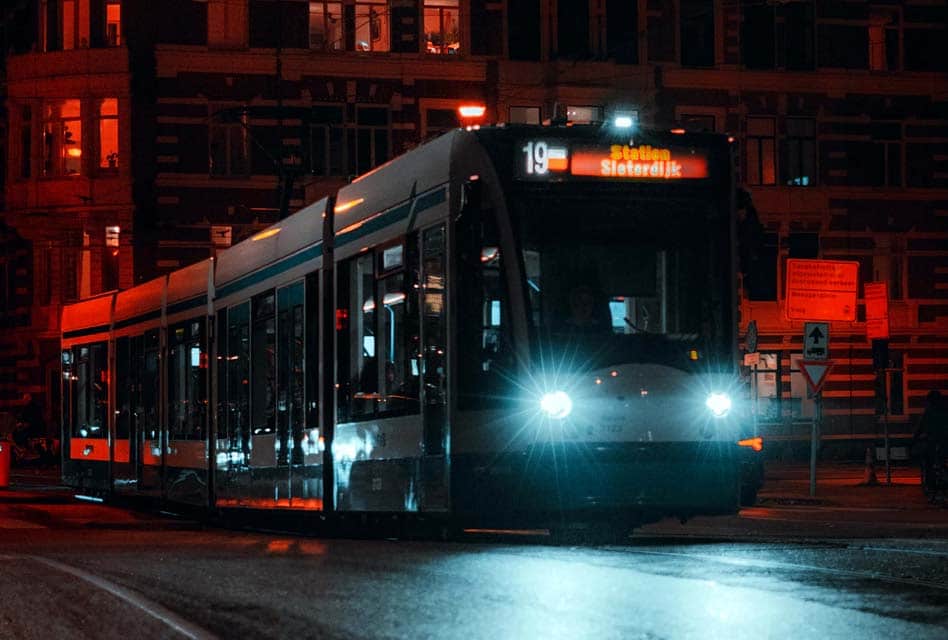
(89, 571)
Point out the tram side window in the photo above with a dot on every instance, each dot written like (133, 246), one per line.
(68, 393)
(486, 359)
(187, 380)
(311, 368)
(263, 365)
(238, 376)
(220, 372)
(148, 410)
(90, 391)
(290, 371)
(123, 392)
(379, 355)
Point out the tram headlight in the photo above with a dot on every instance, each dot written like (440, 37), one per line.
(718, 403)
(556, 404)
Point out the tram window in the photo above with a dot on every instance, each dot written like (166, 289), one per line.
(289, 371)
(434, 330)
(220, 373)
(359, 352)
(378, 356)
(263, 365)
(399, 335)
(68, 394)
(148, 412)
(187, 380)
(238, 376)
(311, 368)
(485, 354)
(91, 391)
(124, 372)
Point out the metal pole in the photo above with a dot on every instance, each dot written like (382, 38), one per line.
(885, 423)
(814, 441)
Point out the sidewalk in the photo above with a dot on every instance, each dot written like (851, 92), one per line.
(841, 485)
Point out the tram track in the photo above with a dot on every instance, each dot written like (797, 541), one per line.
(136, 600)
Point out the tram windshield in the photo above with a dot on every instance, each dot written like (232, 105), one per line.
(625, 280)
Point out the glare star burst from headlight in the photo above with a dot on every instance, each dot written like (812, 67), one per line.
(556, 404)
(718, 404)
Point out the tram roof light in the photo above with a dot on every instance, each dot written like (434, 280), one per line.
(472, 110)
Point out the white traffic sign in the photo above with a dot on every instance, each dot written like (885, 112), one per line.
(816, 372)
(751, 359)
(816, 337)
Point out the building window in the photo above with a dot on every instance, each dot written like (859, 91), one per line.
(371, 25)
(327, 141)
(369, 146)
(761, 152)
(26, 142)
(524, 115)
(113, 23)
(442, 33)
(229, 152)
(884, 39)
(108, 135)
(62, 138)
(779, 35)
(622, 31)
(75, 24)
(325, 26)
(799, 167)
(573, 29)
(697, 33)
(584, 114)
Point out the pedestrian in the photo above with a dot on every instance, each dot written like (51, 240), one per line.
(931, 438)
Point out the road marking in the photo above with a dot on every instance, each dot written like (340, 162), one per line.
(155, 610)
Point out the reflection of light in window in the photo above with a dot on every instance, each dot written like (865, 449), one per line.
(617, 313)
(495, 313)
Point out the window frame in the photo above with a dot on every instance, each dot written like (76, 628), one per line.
(757, 141)
(241, 129)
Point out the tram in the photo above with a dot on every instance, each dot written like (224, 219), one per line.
(529, 326)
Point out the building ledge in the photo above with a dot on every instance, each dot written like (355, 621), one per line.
(73, 62)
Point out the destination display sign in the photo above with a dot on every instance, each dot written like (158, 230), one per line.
(557, 160)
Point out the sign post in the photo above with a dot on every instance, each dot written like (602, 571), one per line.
(753, 359)
(816, 372)
(877, 331)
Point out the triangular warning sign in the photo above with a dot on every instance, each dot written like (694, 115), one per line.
(816, 372)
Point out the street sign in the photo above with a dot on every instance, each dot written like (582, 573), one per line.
(750, 339)
(877, 310)
(751, 359)
(822, 289)
(816, 337)
(816, 372)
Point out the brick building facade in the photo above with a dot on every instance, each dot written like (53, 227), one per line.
(177, 127)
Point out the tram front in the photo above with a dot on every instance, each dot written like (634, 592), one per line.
(599, 299)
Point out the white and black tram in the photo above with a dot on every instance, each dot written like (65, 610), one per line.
(511, 326)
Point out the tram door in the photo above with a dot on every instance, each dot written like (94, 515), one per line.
(434, 367)
(147, 415)
(125, 450)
